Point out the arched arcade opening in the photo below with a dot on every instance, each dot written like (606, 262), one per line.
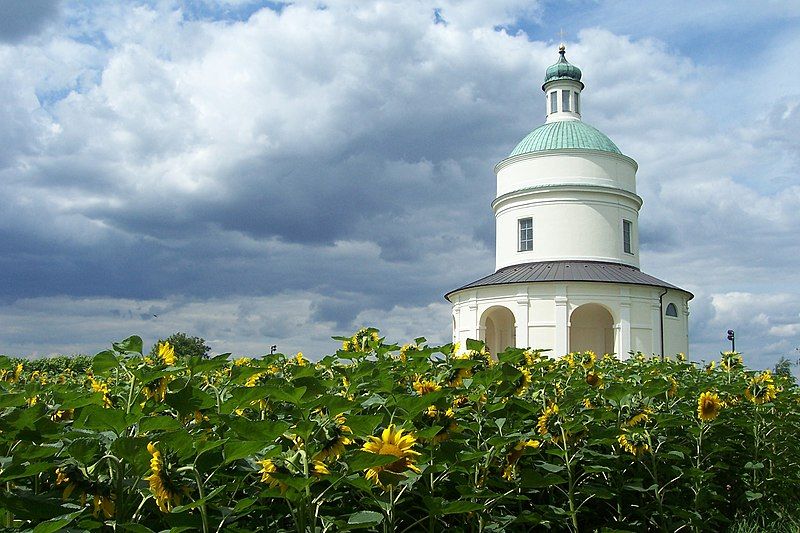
(498, 329)
(591, 327)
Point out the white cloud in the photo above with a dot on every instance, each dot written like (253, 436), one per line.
(345, 154)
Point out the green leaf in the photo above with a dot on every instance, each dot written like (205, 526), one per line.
(104, 361)
(84, 450)
(12, 399)
(158, 423)
(132, 449)
(132, 344)
(361, 460)
(189, 399)
(462, 506)
(199, 501)
(363, 425)
(240, 449)
(134, 528)
(753, 495)
(264, 430)
(20, 471)
(365, 517)
(100, 419)
(56, 524)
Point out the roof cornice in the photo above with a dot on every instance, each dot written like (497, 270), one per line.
(563, 151)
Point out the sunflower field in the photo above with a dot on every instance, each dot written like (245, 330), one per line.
(383, 437)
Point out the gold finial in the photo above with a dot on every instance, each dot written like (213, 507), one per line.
(561, 47)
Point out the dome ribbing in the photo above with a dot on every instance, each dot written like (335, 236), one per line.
(565, 134)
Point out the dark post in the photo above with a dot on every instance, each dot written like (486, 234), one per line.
(732, 338)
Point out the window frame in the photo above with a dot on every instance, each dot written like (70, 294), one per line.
(627, 245)
(666, 310)
(553, 102)
(527, 242)
(565, 96)
(576, 101)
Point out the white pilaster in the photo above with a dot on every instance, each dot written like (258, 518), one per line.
(624, 330)
(562, 327)
(523, 311)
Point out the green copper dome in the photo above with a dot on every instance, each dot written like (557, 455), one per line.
(562, 70)
(565, 134)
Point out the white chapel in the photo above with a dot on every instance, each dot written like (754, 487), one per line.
(567, 246)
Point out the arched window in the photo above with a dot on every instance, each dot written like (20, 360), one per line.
(672, 310)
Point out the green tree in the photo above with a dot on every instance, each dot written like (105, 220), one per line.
(783, 367)
(184, 345)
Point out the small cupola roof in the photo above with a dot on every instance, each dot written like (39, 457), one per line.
(562, 69)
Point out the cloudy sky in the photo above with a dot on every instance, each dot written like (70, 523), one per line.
(262, 173)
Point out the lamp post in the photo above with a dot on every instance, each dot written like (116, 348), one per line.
(732, 338)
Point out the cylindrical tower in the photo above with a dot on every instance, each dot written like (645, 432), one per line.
(567, 255)
(566, 192)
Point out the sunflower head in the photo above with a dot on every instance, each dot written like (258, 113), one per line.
(523, 382)
(406, 349)
(587, 359)
(673, 388)
(163, 479)
(445, 418)
(708, 406)
(639, 417)
(424, 386)
(156, 389)
(634, 442)
(335, 435)
(166, 353)
(761, 389)
(549, 422)
(731, 361)
(513, 455)
(594, 379)
(392, 442)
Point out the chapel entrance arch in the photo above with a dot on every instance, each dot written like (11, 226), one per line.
(591, 327)
(498, 329)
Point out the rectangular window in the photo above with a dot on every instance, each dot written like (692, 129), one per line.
(553, 102)
(565, 100)
(577, 103)
(525, 234)
(626, 236)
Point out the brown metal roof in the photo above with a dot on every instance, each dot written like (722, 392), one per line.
(591, 271)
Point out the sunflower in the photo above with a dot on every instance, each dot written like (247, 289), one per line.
(392, 442)
(523, 382)
(335, 439)
(594, 379)
(731, 360)
(547, 421)
(708, 406)
(634, 443)
(268, 470)
(361, 340)
(532, 356)
(156, 389)
(166, 492)
(587, 359)
(299, 360)
(640, 418)
(406, 349)
(761, 389)
(101, 386)
(73, 479)
(510, 470)
(62, 415)
(681, 357)
(673, 389)
(444, 418)
(710, 366)
(166, 353)
(424, 386)
(256, 379)
(587, 404)
(103, 501)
